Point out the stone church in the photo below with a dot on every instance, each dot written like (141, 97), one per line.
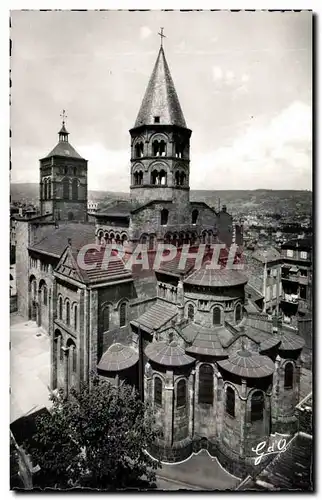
(217, 372)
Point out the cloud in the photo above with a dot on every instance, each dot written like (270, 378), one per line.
(145, 32)
(274, 155)
(228, 77)
(217, 73)
(107, 169)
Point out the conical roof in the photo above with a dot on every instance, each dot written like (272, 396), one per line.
(160, 99)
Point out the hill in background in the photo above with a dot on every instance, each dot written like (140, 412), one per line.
(238, 202)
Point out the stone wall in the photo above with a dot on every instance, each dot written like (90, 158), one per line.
(22, 263)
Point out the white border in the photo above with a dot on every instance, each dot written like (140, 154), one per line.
(6, 6)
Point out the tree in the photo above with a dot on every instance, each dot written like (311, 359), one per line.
(96, 438)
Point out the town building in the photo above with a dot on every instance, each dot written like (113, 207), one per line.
(296, 300)
(218, 373)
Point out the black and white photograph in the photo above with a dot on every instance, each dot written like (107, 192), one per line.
(161, 250)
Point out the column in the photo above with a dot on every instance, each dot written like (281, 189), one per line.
(191, 396)
(242, 416)
(220, 405)
(168, 408)
(71, 367)
(66, 374)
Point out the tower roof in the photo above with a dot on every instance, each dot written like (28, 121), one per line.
(160, 98)
(63, 147)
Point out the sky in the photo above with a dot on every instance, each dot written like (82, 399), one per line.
(244, 81)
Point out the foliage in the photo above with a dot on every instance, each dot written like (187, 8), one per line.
(96, 438)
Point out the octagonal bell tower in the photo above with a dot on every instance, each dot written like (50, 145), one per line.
(160, 142)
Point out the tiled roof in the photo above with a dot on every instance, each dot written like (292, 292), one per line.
(168, 354)
(160, 98)
(301, 243)
(216, 277)
(64, 148)
(119, 208)
(207, 342)
(111, 270)
(172, 266)
(291, 470)
(291, 341)
(269, 254)
(56, 242)
(253, 292)
(248, 365)
(156, 316)
(118, 357)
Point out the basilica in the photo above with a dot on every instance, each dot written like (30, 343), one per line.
(216, 370)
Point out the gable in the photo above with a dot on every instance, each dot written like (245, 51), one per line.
(67, 266)
(243, 342)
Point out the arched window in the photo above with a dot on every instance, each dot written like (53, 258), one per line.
(74, 359)
(288, 376)
(45, 295)
(164, 217)
(155, 177)
(162, 178)
(216, 316)
(181, 393)
(191, 312)
(257, 406)
(230, 401)
(67, 313)
(158, 391)
(74, 171)
(66, 189)
(151, 242)
(123, 314)
(75, 318)
(106, 319)
(60, 308)
(206, 384)
(49, 189)
(70, 216)
(194, 216)
(124, 239)
(143, 239)
(75, 189)
(238, 313)
(177, 178)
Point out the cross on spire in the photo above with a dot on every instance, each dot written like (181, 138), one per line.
(161, 36)
(63, 116)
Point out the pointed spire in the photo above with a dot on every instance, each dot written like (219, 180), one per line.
(160, 104)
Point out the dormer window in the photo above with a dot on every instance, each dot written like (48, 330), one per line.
(157, 119)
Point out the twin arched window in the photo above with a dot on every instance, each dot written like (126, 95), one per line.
(288, 376)
(257, 406)
(123, 314)
(158, 391)
(66, 188)
(159, 148)
(206, 384)
(191, 312)
(181, 393)
(230, 401)
(75, 189)
(216, 316)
